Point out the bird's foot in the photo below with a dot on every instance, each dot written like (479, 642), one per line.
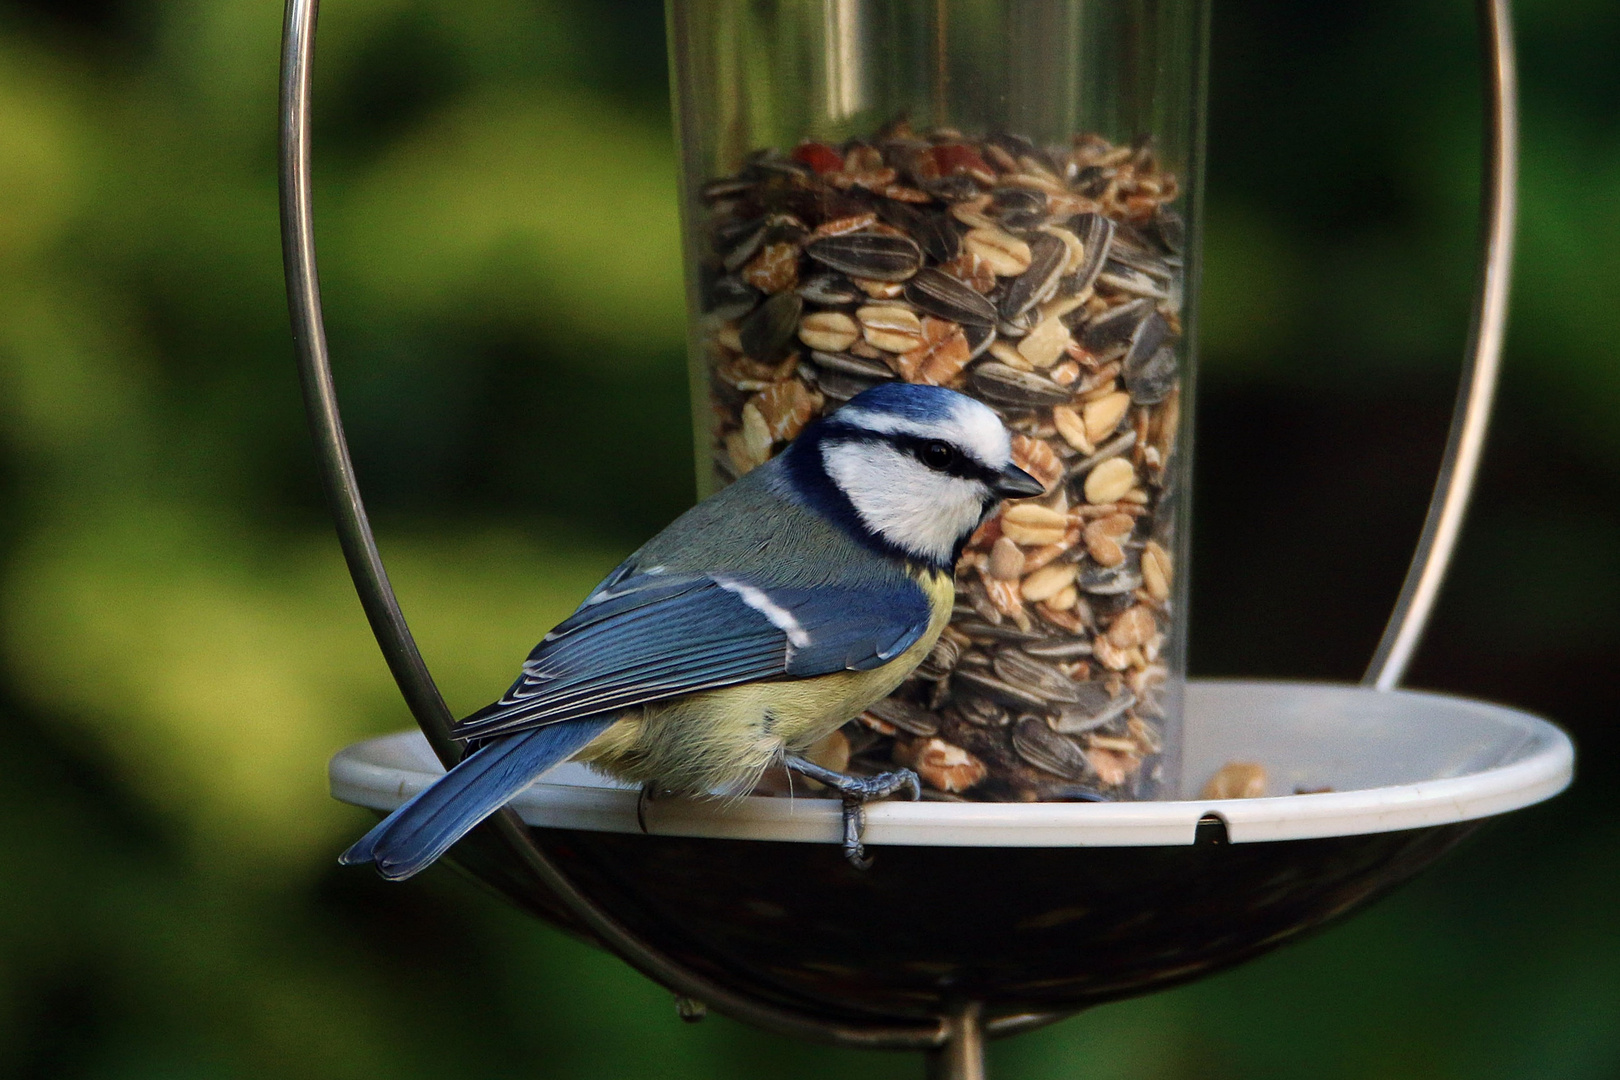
(855, 792)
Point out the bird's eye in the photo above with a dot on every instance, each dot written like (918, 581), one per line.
(938, 455)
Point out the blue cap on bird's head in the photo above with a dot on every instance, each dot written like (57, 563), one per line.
(920, 402)
(919, 466)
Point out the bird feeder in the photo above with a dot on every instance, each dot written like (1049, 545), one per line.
(1002, 198)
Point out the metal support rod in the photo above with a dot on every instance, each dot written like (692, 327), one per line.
(962, 1056)
(1481, 363)
(320, 398)
(382, 608)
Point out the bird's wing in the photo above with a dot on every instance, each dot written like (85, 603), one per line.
(651, 636)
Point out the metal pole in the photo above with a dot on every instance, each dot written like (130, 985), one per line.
(382, 608)
(962, 1056)
(1481, 363)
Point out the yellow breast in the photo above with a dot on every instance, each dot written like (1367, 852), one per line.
(723, 739)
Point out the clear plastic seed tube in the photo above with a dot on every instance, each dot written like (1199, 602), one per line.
(996, 198)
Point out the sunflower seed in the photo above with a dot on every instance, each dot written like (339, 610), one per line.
(979, 338)
(977, 628)
(1058, 649)
(998, 689)
(937, 293)
(981, 712)
(743, 246)
(1096, 233)
(1047, 683)
(878, 256)
(1148, 337)
(1017, 326)
(732, 298)
(1141, 262)
(1122, 278)
(1093, 180)
(1116, 325)
(906, 716)
(1109, 580)
(934, 232)
(1151, 381)
(1008, 200)
(726, 187)
(848, 364)
(1047, 257)
(1044, 748)
(830, 290)
(836, 386)
(1170, 229)
(1111, 449)
(1008, 386)
(1096, 708)
(767, 333)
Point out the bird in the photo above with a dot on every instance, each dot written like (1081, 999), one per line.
(752, 627)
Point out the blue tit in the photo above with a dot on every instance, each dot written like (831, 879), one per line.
(749, 629)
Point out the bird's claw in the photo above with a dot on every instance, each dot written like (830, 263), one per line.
(856, 791)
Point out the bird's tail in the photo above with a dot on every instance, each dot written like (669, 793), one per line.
(409, 839)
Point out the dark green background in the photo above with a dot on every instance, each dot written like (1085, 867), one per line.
(495, 199)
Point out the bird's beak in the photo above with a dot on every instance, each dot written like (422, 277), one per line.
(1015, 483)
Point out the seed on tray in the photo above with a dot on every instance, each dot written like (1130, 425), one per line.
(1236, 780)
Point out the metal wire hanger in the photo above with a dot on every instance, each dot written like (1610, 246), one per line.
(955, 1042)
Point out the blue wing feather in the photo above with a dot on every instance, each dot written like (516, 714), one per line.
(641, 638)
(417, 833)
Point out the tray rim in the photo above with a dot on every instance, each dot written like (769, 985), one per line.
(373, 774)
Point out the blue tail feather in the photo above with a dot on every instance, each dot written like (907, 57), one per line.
(416, 834)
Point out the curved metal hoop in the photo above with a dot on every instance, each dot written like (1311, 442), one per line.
(956, 1042)
(1482, 362)
(388, 621)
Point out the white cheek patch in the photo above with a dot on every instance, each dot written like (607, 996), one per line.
(904, 501)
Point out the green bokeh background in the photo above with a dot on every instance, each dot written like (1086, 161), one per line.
(180, 651)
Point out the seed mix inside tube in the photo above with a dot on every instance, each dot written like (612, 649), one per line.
(1046, 283)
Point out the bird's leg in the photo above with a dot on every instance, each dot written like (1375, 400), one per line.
(855, 791)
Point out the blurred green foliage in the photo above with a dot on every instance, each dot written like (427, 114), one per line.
(495, 200)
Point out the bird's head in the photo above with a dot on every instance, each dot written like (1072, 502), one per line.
(913, 469)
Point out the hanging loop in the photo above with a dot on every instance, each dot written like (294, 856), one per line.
(1481, 363)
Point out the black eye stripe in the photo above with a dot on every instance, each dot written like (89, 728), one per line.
(964, 465)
